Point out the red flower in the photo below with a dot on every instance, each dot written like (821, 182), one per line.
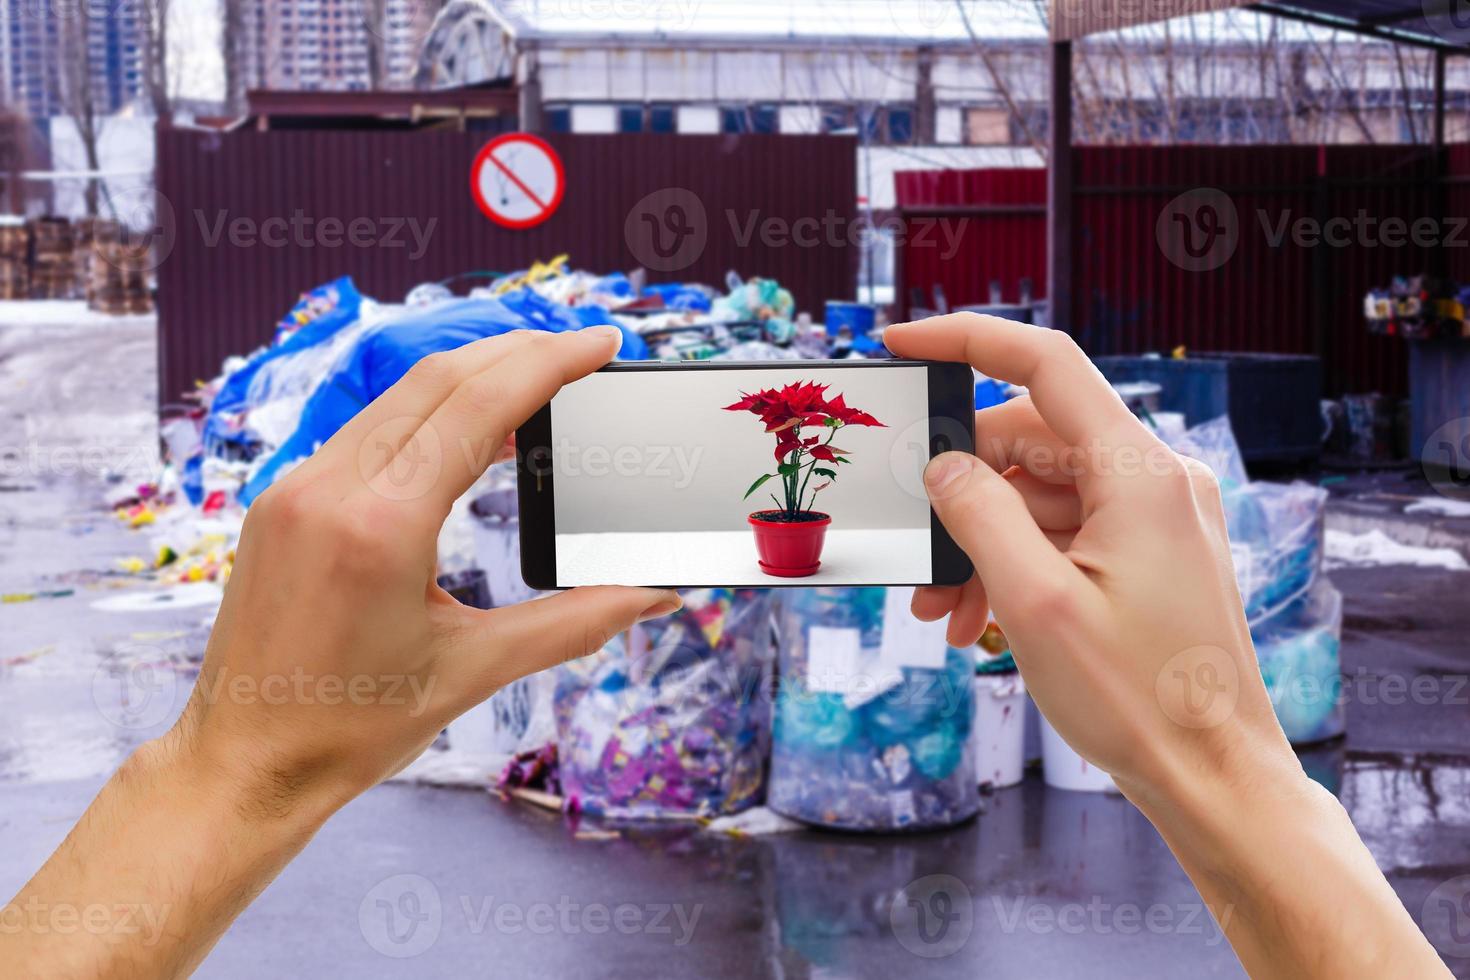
(785, 412)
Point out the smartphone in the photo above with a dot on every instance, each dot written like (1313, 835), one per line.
(764, 474)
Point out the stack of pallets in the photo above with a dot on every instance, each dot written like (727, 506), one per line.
(15, 258)
(121, 263)
(53, 259)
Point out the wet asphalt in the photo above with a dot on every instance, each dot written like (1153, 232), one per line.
(413, 881)
(418, 882)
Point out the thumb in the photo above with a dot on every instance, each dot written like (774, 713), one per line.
(989, 520)
(503, 645)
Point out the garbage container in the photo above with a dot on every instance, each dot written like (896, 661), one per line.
(1273, 400)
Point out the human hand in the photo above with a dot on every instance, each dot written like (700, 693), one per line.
(336, 659)
(1106, 558)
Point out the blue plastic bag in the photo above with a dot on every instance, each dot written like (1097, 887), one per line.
(385, 353)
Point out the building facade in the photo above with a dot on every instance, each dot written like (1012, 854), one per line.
(327, 45)
(38, 44)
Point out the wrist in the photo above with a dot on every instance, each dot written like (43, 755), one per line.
(234, 793)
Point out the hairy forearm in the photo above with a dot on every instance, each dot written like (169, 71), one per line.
(165, 858)
(1295, 890)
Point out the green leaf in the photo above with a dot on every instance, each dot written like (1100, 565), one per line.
(758, 484)
(841, 459)
(786, 469)
(829, 474)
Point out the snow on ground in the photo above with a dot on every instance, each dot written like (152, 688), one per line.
(78, 393)
(1443, 506)
(1347, 550)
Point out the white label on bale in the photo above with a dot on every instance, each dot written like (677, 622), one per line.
(906, 641)
(832, 656)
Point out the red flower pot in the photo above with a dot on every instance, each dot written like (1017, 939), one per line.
(789, 549)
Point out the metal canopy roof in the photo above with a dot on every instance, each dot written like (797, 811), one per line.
(1438, 24)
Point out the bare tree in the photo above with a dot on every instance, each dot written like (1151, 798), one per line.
(375, 20)
(78, 98)
(237, 51)
(153, 35)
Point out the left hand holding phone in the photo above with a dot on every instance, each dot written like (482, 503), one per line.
(336, 574)
(335, 661)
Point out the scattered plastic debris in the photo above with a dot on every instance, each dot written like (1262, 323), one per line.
(179, 597)
(758, 821)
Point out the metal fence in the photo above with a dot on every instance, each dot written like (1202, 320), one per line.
(1265, 249)
(760, 205)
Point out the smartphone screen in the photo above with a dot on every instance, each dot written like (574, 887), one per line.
(719, 474)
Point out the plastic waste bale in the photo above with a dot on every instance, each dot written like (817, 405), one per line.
(1276, 530)
(1299, 652)
(892, 751)
(1276, 542)
(674, 721)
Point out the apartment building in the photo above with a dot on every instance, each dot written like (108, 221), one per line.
(323, 45)
(37, 42)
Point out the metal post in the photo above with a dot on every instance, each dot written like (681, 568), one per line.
(1059, 189)
(1439, 98)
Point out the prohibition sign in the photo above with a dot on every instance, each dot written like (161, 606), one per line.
(517, 180)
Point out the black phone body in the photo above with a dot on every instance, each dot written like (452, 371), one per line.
(591, 513)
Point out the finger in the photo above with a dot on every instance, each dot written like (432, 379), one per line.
(493, 648)
(1014, 434)
(1069, 392)
(987, 517)
(1061, 540)
(934, 602)
(971, 615)
(413, 399)
(449, 452)
(1052, 507)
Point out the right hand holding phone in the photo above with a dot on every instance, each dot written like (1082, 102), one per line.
(1105, 557)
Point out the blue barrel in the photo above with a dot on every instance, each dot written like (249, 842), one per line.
(860, 318)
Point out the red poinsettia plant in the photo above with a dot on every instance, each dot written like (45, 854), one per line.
(788, 413)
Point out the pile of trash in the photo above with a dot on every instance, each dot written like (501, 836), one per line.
(336, 350)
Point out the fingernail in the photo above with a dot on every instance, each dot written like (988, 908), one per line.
(669, 604)
(944, 473)
(606, 333)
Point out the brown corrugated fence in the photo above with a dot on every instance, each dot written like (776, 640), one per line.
(773, 206)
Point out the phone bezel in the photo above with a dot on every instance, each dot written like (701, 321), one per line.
(951, 390)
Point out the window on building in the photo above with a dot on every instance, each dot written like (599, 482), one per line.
(900, 125)
(661, 119)
(750, 119)
(559, 119)
(630, 119)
